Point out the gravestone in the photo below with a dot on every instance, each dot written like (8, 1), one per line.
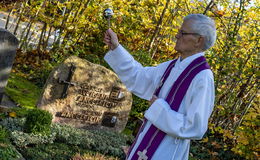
(8, 46)
(86, 95)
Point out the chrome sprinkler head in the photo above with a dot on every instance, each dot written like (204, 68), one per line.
(108, 13)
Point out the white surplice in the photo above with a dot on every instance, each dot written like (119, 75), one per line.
(190, 122)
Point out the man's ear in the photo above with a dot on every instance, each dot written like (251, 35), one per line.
(200, 42)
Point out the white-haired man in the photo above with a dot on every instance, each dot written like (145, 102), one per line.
(181, 91)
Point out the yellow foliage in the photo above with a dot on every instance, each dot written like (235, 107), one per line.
(12, 114)
(242, 139)
(205, 140)
(228, 134)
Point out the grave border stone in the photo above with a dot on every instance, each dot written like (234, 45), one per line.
(8, 45)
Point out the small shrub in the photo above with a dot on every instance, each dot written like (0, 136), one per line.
(38, 121)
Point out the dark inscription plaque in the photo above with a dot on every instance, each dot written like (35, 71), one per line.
(89, 117)
(109, 119)
(90, 96)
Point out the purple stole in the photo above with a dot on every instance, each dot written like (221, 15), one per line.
(154, 136)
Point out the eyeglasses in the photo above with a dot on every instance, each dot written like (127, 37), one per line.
(182, 33)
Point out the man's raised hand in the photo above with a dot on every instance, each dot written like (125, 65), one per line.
(111, 39)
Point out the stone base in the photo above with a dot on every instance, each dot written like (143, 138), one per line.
(4, 109)
(6, 101)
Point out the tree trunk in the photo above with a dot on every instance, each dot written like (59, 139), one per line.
(67, 35)
(27, 26)
(24, 40)
(157, 30)
(41, 36)
(209, 6)
(8, 17)
(62, 27)
(47, 39)
(244, 112)
(20, 17)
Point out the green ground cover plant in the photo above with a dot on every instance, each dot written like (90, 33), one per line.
(7, 150)
(63, 142)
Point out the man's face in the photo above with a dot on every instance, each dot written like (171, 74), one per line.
(187, 40)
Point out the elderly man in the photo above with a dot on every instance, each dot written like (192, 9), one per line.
(181, 91)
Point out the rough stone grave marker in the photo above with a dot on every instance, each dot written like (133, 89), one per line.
(86, 95)
(8, 46)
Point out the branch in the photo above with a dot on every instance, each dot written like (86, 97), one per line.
(158, 27)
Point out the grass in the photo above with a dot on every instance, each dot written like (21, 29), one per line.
(22, 91)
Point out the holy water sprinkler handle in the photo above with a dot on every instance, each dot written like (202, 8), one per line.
(108, 13)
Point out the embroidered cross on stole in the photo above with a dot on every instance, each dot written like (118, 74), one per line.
(154, 136)
(142, 155)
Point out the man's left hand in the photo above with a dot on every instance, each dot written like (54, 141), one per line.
(153, 99)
